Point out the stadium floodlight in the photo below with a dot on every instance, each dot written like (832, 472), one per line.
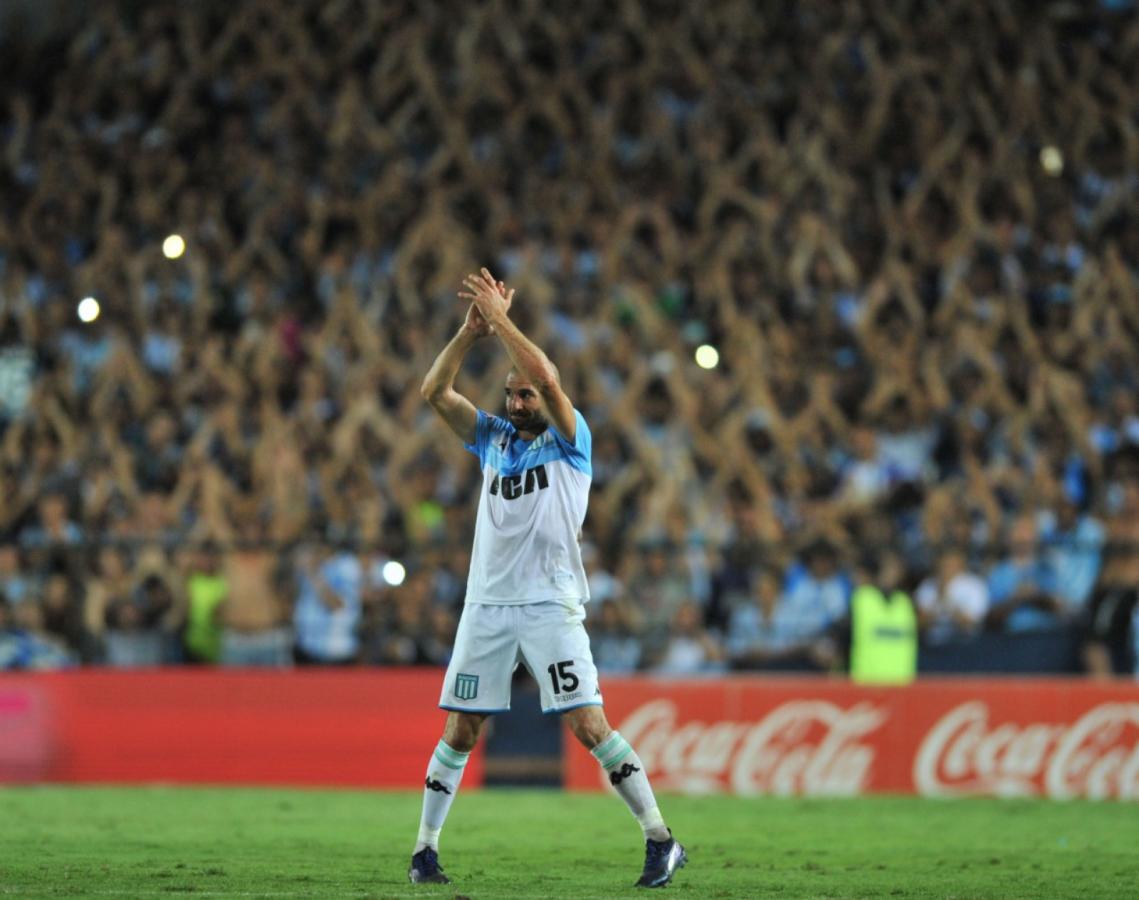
(393, 573)
(1052, 160)
(173, 247)
(88, 309)
(707, 356)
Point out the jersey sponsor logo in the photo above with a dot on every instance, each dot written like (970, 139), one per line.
(466, 686)
(514, 486)
(619, 775)
(436, 785)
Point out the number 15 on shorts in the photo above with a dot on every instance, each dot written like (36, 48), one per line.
(563, 680)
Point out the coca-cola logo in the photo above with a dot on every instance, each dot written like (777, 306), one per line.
(1097, 756)
(800, 747)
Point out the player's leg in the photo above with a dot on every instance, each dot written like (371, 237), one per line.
(663, 853)
(623, 767)
(555, 645)
(477, 684)
(444, 773)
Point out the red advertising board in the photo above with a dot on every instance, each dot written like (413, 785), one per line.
(364, 728)
(1048, 737)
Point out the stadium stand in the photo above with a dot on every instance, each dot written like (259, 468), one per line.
(910, 229)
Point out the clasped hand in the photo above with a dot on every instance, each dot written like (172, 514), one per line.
(489, 300)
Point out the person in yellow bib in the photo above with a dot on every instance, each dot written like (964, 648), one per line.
(883, 626)
(206, 590)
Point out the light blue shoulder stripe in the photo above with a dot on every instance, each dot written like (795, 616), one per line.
(487, 428)
(548, 453)
(493, 434)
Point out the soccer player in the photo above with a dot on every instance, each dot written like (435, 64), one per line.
(527, 587)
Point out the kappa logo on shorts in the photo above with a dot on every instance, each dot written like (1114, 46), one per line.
(466, 686)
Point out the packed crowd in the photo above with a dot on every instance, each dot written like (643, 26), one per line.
(910, 229)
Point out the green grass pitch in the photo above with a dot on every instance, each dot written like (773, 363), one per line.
(164, 842)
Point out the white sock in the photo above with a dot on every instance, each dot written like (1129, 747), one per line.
(444, 773)
(627, 775)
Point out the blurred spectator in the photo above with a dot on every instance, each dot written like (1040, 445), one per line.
(817, 588)
(1073, 553)
(864, 478)
(883, 624)
(657, 588)
(206, 592)
(603, 584)
(24, 644)
(953, 602)
(52, 540)
(143, 608)
(62, 615)
(1021, 592)
(17, 580)
(112, 585)
(134, 633)
(253, 614)
(616, 647)
(326, 614)
(691, 649)
(769, 632)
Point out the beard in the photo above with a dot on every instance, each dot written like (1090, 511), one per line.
(533, 422)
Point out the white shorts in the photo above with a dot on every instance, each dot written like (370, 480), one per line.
(549, 638)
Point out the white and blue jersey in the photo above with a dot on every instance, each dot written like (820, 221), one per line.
(531, 509)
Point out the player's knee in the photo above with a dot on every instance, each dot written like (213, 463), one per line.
(588, 725)
(462, 731)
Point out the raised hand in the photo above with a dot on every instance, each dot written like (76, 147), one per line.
(489, 297)
(476, 322)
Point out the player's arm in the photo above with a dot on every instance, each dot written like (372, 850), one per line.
(528, 358)
(439, 384)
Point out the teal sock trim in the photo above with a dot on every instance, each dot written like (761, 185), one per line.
(612, 751)
(452, 759)
(606, 747)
